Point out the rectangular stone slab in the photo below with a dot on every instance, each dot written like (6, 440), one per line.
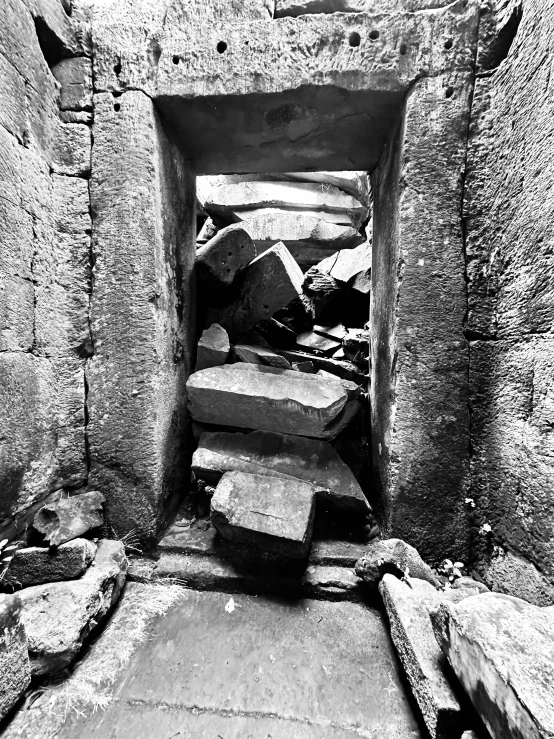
(280, 455)
(408, 608)
(502, 651)
(256, 397)
(268, 284)
(268, 513)
(226, 199)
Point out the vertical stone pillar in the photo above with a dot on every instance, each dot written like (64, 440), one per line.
(143, 204)
(419, 353)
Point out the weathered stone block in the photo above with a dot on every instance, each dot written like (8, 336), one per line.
(408, 608)
(36, 565)
(226, 254)
(260, 355)
(213, 347)
(15, 671)
(268, 284)
(310, 341)
(352, 266)
(393, 556)
(265, 512)
(69, 518)
(270, 399)
(228, 199)
(279, 455)
(75, 78)
(502, 651)
(59, 616)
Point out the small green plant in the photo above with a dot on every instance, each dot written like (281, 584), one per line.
(451, 570)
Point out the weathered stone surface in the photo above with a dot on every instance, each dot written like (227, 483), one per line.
(75, 78)
(463, 583)
(138, 428)
(260, 355)
(300, 196)
(270, 399)
(265, 512)
(226, 254)
(310, 341)
(343, 369)
(269, 283)
(354, 183)
(502, 651)
(505, 572)
(295, 8)
(36, 565)
(59, 616)
(280, 455)
(68, 518)
(207, 232)
(341, 219)
(213, 347)
(334, 332)
(395, 557)
(408, 608)
(352, 266)
(15, 671)
(306, 237)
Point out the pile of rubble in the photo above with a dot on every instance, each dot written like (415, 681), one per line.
(473, 658)
(66, 584)
(283, 356)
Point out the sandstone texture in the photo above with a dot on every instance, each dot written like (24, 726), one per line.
(502, 651)
(36, 565)
(141, 314)
(280, 455)
(352, 266)
(213, 347)
(393, 556)
(68, 518)
(408, 608)
(270, 399)
(267, 512)
(269, 283)
(59, 616)
(15, 670)
(226, 254)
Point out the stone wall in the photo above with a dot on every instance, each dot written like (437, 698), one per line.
(510, 270)
(45, 227)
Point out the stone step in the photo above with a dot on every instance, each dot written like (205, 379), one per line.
(268, 513)
(280, 455)
(269, 399)
(269, 283)
(228, 199)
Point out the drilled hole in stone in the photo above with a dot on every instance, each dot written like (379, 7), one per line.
(117, 107)
(117, 68)
(449, 92)
(374, 35)
(354, 39)
(403, 49)
(448, 44)
(221, 47)
(176, 59)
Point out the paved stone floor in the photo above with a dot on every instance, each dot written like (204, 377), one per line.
(181, 664)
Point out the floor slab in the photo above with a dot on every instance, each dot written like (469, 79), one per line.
(235, 666)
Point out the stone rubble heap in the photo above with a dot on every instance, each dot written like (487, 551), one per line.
(476, 661)
(66, 581)
(283, 267)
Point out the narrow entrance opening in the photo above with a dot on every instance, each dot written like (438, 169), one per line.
(283, 280)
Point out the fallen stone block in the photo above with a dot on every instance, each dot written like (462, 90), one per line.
(312, 341)
(59, 616)
(36, 565)
(337, 332)
(301, 196)
(270, 399)
(268, 513)
(463, 583)
(213, 347)
(318, 290)
(308, 367)
(345, 369)
(354, 183)
(15, 669)
(501, 649)
(226, 254)
(69, 518)
(259, 355)
(339, 219)
(350, 266)
(268, 284)
(207, 232)
(306, 237)
(276, 333)
(280, 455)
(395, 557)
(408, 608)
